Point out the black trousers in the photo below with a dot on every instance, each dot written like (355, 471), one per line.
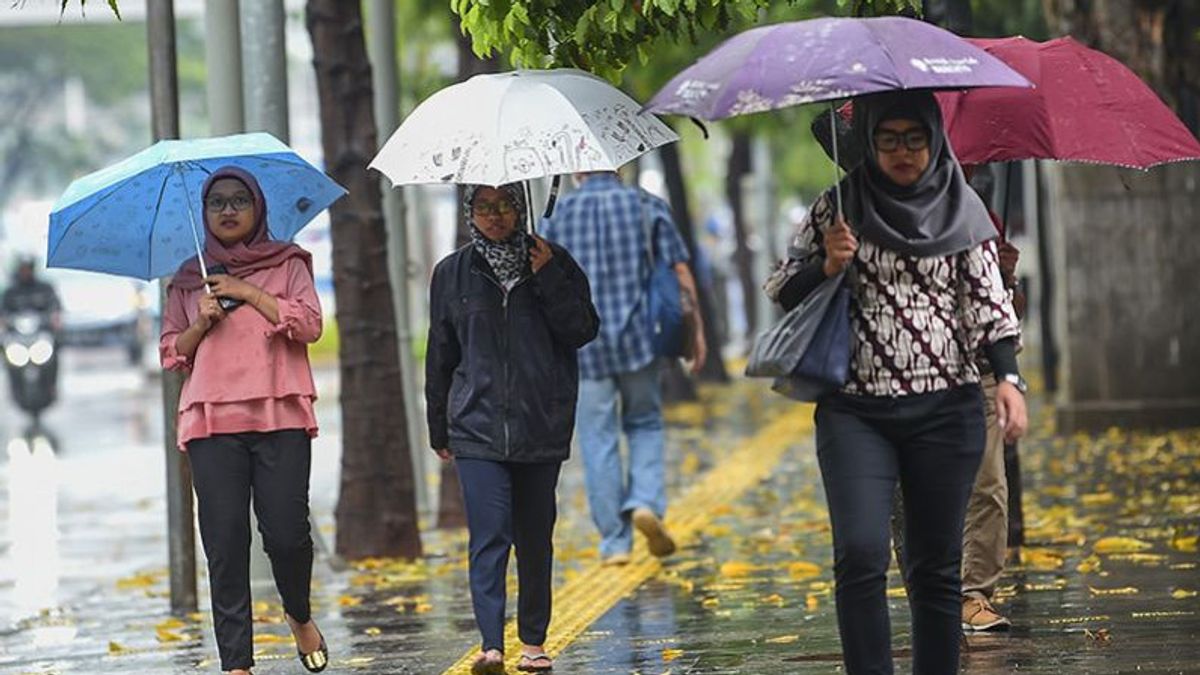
(510, 504)
(932, 444)
(226, 470)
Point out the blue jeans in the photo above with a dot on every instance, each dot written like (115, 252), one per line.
(629, 402)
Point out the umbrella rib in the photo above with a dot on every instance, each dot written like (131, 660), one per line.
(76, 219)
(886, 52)
(162, 190)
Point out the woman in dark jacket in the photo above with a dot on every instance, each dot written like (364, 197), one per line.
(508, 313)
(927, 296)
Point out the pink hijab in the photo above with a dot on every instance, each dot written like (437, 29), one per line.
(256, 252)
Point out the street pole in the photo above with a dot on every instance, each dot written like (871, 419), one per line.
(164, 113)
(766, 252)
(381, 45)
(264, 67)
(223, 60)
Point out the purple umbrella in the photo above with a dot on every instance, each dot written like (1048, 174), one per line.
(802, 62)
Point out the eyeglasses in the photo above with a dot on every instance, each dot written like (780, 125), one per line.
(913, 139)
(500, 208)
(238, 202)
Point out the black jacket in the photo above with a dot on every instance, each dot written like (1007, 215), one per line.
(501, 376)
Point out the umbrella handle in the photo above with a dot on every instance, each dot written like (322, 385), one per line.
(554, 185)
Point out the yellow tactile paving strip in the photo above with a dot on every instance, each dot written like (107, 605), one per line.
(597, 589)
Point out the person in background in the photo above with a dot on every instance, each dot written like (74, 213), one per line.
(614, 230)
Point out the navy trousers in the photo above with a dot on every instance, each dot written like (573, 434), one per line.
(509, 505)
(932, 444)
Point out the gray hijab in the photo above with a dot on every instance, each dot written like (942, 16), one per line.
(940, 214)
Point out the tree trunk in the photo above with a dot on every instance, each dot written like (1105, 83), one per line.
(737, 168)
(714, 368)
(376, 511)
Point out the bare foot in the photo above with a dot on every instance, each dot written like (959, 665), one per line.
(308, 637)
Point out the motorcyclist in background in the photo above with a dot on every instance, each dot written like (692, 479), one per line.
(28, 293)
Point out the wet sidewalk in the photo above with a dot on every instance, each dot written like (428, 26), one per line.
(1108, 582)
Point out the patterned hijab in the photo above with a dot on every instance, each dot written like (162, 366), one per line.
(509, 259)
(940, 214)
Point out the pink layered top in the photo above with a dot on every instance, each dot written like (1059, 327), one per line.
(247, 374)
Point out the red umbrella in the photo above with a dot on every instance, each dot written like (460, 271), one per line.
(1086, 107)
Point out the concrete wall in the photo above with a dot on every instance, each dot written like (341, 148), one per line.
(1126, 247)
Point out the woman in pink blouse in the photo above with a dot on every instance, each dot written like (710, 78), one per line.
(927, 297)
(246, 411)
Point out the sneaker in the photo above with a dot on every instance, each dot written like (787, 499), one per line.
(615, 560)
(660, 543)
(979, 615)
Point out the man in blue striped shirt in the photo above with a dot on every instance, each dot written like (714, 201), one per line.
(609, 227)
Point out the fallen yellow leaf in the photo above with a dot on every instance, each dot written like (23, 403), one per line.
(737, 568)
(709, 603)
(270, 639)
(373, 631)
(1098, 498)
(897, 592)
(142, 580)
(116, 648)
(1041, 559)
(811, 603)
(349, 601)
(773, 599)
(803, 570)
(1088, 565)
(1120, 545)
(1183, 594)
(167, 635)
(1185, 544)
(669, 655)
(1125, 590)
(170, 624)
(783, 639)
(1140, 558)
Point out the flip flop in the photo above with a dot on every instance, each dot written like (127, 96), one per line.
(535, 663)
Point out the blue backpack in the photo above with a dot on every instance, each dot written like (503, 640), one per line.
(664, 302)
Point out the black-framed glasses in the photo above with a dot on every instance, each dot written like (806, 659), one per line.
(913, 139)
(500, 208)
(238, 202)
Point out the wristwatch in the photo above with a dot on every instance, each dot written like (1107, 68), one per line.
(1017, 381)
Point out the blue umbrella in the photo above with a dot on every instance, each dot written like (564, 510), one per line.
(142, 217)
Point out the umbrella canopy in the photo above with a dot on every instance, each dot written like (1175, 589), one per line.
(506, 127)
(142, 217)
(826, 59)
(1087, 107)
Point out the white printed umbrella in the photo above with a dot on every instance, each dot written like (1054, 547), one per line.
(502, 128)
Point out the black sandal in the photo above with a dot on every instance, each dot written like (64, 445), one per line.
(315, 661)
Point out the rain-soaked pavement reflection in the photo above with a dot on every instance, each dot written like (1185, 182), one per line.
(1108, 582)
